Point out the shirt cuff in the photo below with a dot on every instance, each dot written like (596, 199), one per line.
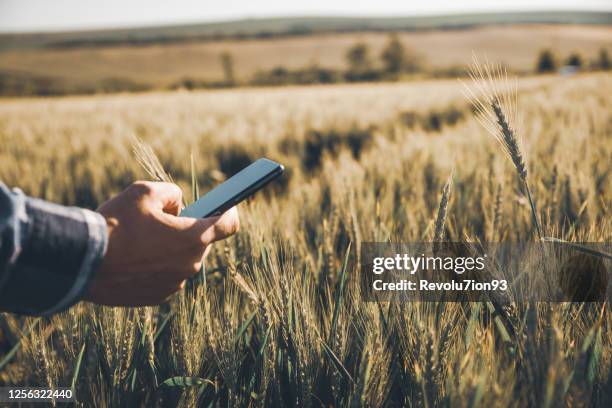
(61, 248)
(97, 243)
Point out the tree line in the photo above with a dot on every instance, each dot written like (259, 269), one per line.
(394, 62)
(549, 62)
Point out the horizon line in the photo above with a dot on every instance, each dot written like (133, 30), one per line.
(222, 20)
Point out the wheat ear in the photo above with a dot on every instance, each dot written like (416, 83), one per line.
(496, 108)
(442, 211)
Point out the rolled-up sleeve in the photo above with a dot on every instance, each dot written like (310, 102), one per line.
(48, 253)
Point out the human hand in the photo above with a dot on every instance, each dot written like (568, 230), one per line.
(151, 251)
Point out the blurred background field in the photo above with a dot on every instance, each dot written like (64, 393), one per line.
(285, 51)
(437, 50)
(279, 318)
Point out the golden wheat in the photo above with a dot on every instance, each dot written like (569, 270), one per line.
(279, 318)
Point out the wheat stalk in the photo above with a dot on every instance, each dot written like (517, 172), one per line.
(442, 211)
(497, 211)
(147, 158)
(495, 100)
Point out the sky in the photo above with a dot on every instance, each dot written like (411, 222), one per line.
(58, 15)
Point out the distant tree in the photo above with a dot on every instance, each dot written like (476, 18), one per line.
(574, 60)
(604, 59)
(546, 62)
(360, 68)
(227, 62)
(187, 83)
(394, 55)
(358, 58)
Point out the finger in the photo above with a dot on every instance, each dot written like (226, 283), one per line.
(197, 266)
(168, 197)
(208, 230)
(224, 226)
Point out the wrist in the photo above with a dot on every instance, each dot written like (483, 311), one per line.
(110, 226)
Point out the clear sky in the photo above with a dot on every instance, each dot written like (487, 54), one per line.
(54, 15)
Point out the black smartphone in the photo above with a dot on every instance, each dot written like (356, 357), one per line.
(235, 189)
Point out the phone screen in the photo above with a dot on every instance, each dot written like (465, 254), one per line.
(235, 189)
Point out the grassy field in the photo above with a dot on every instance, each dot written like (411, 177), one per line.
(160, 65)
(279, 318)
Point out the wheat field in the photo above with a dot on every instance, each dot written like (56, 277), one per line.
(278, 318)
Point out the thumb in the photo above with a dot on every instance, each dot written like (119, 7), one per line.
(208, 230)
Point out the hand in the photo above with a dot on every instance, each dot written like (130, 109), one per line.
(151, 251)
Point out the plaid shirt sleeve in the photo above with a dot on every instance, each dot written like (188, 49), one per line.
(48, 253)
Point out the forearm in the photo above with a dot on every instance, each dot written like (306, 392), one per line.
(48, 253)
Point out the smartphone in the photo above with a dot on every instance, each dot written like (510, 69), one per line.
(235, 189)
